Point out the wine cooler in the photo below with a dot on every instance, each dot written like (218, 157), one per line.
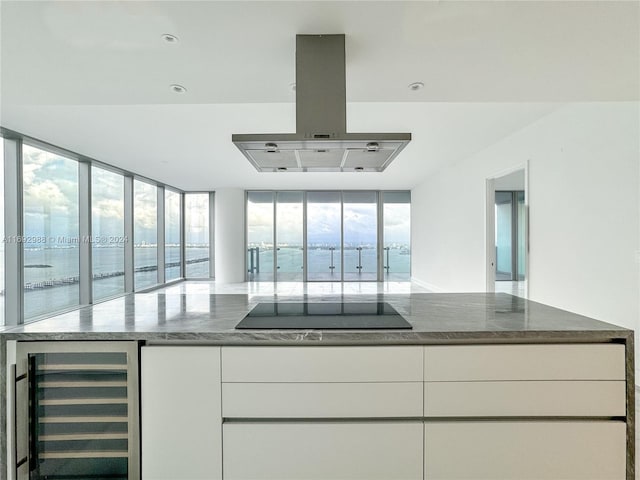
(76, 410)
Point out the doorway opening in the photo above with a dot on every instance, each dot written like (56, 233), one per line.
(507, 233)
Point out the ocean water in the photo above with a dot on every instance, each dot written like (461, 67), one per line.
(51, 274)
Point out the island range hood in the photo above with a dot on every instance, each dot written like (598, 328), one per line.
(321, 142)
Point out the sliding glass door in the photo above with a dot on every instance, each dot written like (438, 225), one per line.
(328, 236)
(504, 245)
(324, 236)
(510, 235)
(360, 226)
(289, 236)
(396, 234)
(260, 229)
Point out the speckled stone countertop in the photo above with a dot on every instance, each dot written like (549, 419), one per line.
(200, 317)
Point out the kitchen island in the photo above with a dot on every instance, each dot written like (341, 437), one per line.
(478, 375)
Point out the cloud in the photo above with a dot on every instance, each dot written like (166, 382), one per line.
(197, 218)
(145, 212)
(108, 208)
(50, 183)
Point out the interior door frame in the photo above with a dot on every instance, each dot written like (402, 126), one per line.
(490, 225)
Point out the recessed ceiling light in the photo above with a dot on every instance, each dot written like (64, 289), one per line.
(292, 86)
(167, 37)
(177, 88)
(416, 86)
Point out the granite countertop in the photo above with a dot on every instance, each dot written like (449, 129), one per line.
(436, 318)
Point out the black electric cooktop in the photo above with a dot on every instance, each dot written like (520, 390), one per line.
(324, 315)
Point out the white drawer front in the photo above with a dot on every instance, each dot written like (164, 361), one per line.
(525, 450)
(321, 400)
(322, 451)
(524, 362)
(322, 364)
(530, 398)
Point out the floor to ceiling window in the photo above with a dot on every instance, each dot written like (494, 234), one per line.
(81, 231)
(107, 225)
(289, 236)
(145, 234)
(324, 236)
(396, 256)
(172, 244)
(197, 235)
(260, 230)
(328, 236)
(51, 232)
(360, 225)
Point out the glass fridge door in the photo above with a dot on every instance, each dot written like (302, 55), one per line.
(81, 413)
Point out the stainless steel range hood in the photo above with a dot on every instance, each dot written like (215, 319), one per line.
(321, 142)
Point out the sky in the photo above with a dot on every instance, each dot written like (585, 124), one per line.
(50, 195)
(51, 202)
(323, 223)
(107, 209)
(197, 218)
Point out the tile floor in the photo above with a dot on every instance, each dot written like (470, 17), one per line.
(294, 288)
(317, 288)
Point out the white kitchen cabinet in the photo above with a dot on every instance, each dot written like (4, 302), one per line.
(525, 399)
(524, 362)
(545, 450)
(322, 400)
(471, 386)
(322, 364)
(332, 413)
(323, 451)
(440, 412)
(181, 413)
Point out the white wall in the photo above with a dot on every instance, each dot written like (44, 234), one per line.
(584, 182)
(511, 181)
(229, 235)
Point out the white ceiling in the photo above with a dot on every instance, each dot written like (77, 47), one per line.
(94, 77)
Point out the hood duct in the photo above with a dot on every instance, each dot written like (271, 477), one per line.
(321, 142)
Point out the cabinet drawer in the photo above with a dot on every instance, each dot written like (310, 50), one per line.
(525, 450)
(530, 398)
(322, 400)
(321, 451)
(524, 362)
(322, 364)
